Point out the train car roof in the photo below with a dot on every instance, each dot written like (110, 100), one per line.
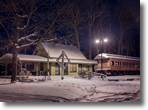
(106, 56)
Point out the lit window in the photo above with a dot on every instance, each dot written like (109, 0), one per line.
(73, 68)
(116, 63)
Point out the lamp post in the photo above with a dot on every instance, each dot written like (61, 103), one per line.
(98, 41)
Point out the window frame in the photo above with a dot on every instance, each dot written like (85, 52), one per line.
(73, 68)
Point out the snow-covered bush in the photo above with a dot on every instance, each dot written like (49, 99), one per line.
(82, 74)
(85, 74)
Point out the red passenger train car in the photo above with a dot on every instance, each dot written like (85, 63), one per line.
(113, 64)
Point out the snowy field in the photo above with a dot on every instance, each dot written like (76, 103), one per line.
(72, 89)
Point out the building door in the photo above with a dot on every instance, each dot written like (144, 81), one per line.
(80, 67)
(57, 69)
(87, 67)
(66, 70)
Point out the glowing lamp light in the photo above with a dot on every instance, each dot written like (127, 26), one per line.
(97, 41)
(105, 40)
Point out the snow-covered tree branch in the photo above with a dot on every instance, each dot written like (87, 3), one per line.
(22, 16)
(27, 37)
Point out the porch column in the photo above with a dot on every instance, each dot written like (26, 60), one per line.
(6, 69)
(37, 69)
(21, 64)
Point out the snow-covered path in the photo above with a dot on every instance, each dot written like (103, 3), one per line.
(70, 89)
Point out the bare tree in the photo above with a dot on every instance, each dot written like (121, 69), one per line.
(99, 32)
(72, 18)
(16, 16)
(49, 24)
(15, 19)
(126, 20)
(93, 11)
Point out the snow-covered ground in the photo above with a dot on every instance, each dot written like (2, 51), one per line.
(71, 89)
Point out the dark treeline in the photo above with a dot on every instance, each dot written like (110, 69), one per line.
(73, 22)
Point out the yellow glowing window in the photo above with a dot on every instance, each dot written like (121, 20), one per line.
(73, 68)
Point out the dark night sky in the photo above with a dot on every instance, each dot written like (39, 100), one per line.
(132, 32)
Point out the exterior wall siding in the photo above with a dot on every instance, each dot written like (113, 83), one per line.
(52, 68)
(105, 64)
(84, 66)
(90, 68)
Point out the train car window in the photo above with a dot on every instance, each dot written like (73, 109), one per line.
(112, 62)
(135, 64)
(118, 63)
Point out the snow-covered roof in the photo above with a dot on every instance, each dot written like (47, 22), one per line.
(7, 58)
(55, 50)
(106, 55)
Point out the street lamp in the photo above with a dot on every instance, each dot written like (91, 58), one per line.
(101, 41)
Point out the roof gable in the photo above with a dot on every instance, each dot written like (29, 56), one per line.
(55, 50)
